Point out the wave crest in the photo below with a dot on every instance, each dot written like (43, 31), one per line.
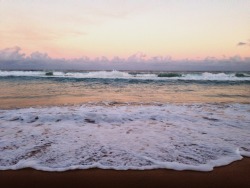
(127, 75)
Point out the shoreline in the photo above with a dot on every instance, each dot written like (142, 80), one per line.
(235, 174)
(109, 103)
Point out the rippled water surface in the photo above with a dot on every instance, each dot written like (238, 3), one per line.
(37, 89)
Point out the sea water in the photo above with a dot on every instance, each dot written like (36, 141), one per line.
(123, 120)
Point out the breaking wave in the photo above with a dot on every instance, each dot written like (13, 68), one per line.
(130, 75)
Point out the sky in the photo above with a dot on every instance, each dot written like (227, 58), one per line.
(125, 30)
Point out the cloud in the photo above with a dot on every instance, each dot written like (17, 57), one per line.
(244, 43)
(39, 56)
(14, 59)
(241, 44)
(11, 54)
(138, 57)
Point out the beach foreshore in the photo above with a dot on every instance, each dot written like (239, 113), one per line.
(234, 175)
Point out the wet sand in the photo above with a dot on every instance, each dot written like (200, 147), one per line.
(234, 175)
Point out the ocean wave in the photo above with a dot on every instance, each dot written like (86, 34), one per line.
(242, 75)
(147, 136)
(127, 75)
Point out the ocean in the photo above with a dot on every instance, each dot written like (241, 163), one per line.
(58, 121)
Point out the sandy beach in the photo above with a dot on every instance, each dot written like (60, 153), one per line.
(234, 175)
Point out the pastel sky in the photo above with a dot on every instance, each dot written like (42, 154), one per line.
(181, 29)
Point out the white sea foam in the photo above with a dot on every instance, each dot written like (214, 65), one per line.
(22, 73)
(174, 136)
(215, 77)
(125, 75)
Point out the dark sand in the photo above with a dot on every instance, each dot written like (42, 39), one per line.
(235, 175)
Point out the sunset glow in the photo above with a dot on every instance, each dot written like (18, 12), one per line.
(180, 29)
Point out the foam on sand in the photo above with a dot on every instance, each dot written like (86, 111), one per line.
(173, 136)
